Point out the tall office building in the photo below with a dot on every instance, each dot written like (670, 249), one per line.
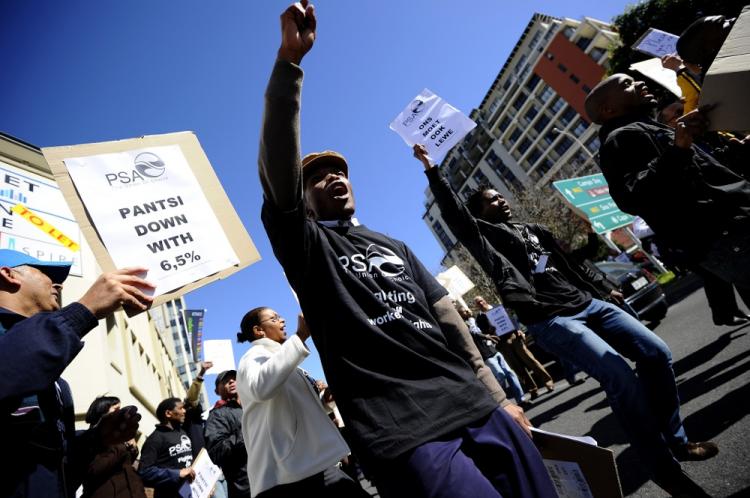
(531, 125)
(123, 356)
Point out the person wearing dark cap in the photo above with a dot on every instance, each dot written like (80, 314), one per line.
(293, 447)
(408, 379)
(38, 340)
(224, 436)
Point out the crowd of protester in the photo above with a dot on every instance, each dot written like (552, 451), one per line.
(420, 407)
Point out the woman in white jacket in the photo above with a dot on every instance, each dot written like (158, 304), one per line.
(292, 445)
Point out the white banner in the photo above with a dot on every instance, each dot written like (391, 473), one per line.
(206, 475)
(499, 319)
(149, 210)
(455, 282)
(432, 122)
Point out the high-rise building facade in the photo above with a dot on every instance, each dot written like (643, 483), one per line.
(531, 125)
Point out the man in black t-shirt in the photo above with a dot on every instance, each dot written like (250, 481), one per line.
(409, 382)
(168, 452)
(552, 295)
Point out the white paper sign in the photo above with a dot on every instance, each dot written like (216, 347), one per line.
(499, 319)
(432, 122)
(149, 210)
(206, 475)
(568, 479)
(455, 282)
(657, 43)
(220, 352)
(43, 197)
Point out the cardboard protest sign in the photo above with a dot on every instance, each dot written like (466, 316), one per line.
(432, 122)
(656, 43)
(653, 69)
(155, 202)
(500, 319)
(577, 466)
(728, 79)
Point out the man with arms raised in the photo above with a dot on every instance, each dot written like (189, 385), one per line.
(394, 349)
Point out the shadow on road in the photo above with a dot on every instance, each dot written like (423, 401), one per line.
(713, 419)
(557, 410)
(713, 377)
(706, 353)
(632, 474)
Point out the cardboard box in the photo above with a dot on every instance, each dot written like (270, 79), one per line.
(728, 79)
(578, 469)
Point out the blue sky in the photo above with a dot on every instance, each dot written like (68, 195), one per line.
(85, 71)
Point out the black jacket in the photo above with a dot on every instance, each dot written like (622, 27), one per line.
(226, 447)
(686, 196)
(502, 252)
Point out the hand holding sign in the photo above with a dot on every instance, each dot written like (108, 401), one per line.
(432, 122)
(118, 288)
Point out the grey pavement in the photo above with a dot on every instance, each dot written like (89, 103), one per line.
(711, 366)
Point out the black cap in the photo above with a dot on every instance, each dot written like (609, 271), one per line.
(222, 377)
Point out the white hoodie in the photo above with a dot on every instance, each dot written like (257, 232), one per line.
(288, 435)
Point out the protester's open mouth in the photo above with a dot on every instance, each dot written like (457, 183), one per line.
(338, 189)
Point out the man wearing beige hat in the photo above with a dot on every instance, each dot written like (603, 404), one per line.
(423, 409)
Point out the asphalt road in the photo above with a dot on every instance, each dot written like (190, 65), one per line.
(711, 366)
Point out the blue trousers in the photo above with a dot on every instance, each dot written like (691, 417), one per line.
(490, 458)
(505, 376)
(645, 401)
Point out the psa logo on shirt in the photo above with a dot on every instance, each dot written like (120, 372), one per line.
(375, 262)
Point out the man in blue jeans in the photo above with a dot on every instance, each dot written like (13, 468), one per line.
(559, 301)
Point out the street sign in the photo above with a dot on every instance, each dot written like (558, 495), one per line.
(590, 195)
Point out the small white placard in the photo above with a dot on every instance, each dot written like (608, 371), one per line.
(220, 352)
(499, 319)
(432, 122)
(656, 43)
(206, 476)
(455, 282)
(568, 479)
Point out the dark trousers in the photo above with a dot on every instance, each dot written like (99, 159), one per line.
(489, 458)
(331, 483)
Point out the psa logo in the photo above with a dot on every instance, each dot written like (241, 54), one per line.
(146, 165)
(376, 259)
(415, 107)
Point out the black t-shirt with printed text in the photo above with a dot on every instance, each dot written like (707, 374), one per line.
(367, 300)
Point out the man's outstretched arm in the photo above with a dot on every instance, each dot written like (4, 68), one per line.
(279, 156)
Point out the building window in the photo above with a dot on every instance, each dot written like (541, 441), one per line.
(580, 127)
(518, 103)
(593, 144)
(569, 32)
(563, 145)
(597, 53)
(524, 145)
(504, 124)
(557, 104)
(545, 166)
(549, 56)
(479, 177)
(562, 67)
(533, 156)
(494, 106)
(515, 135)
(586, 89)
(583, 43)
(541, 123)
(568, 116)
(442, 235)
(531, 113)
(575, 79)
(535, 38)
(532, 82)
(549, 137)
(546, 94)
